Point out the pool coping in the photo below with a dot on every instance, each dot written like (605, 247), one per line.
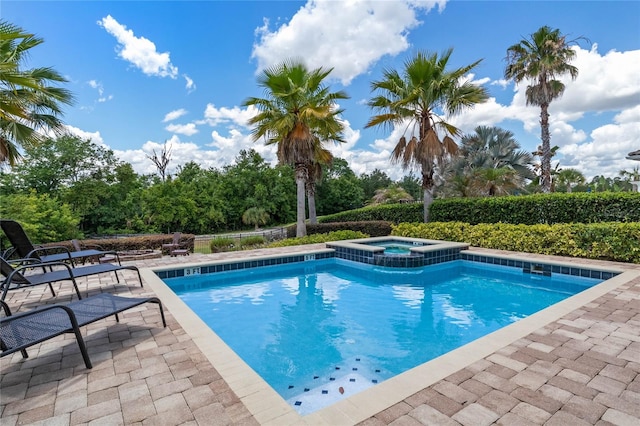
(268, 407)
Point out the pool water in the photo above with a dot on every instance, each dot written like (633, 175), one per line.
(318, 331)
(395, 247)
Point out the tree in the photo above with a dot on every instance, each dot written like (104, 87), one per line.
(391, 195)
(414, 101)
(314, 174)
(340, 189)
(161, 161)
(489, 162)
(30, 101)
(372, 182)
(255, 216)
(298, 112)
(540, 60)
(568, 178)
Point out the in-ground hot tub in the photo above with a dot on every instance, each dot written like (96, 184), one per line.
(397, 252)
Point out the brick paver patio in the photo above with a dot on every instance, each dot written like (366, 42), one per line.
(579, 370)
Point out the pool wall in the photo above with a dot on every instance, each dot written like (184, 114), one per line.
(269, 408)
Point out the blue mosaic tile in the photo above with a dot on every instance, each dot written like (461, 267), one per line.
(352, 380)
(297, 403)
(324, 392)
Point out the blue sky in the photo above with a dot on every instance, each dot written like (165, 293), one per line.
(153, 71)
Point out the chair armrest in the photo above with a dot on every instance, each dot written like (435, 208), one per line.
(49, 250)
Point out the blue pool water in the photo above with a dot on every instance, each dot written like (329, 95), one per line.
(320, 330)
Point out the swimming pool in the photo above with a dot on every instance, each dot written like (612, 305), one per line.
(359, 324)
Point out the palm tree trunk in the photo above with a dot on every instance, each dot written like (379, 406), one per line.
(545, 163)
(311, 199)
(301, 227)
(427, 188)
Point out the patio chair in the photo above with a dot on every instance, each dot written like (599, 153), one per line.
(15, 279)
(25, 249)
(22, 330)
(174, 247)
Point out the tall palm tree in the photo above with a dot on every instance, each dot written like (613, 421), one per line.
(30, 101)
(540, 60)
(297, 113)
(415, 100)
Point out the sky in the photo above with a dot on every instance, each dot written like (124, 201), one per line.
(149, 73)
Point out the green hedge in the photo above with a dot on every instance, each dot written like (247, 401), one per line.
(540, 208)
(394, 213)
(527, 209)
(374, 228)
(143, 242)
(616, 241)
(319, 238)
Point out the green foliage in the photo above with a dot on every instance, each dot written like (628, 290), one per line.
(319, 238)
(616, 241)
(255, 216)
(395, 213)
(541, 208)
(221, 244)
(43, 218)
(252, 241)
(373, 228)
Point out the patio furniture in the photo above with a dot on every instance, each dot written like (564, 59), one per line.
(174, 247)
(18, 278)
(104, 257)
(22, 330)
(25, 249)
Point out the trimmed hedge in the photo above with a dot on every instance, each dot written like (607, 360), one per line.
(374, 228)
(143, 242)
(616, 241)
(394, 213)
(527, 209)
(540, 208)
(319, 238)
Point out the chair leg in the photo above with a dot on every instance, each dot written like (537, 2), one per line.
(53, 293)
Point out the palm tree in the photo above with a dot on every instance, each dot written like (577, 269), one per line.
(255, 216)
(487, 160)
(30, 104)
(540, 60)
(314, 174)
(415, 99)
(297, 113)
(569, 178)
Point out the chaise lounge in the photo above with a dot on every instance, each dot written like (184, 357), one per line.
(17, 278)
(25, 248)
(20, 331)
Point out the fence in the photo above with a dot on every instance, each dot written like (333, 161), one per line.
(201, 244)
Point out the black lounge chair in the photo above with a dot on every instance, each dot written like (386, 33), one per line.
(25, 249)
(15, 279)
(19, 331)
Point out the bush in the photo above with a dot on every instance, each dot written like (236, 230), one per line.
(221, 244)
(616, 241)
(252, 241)
(142, 242)
(374, 228)
(540, 208)
(319, 238)
(395, 213)
(527, 209)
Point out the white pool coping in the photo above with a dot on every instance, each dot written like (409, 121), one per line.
(269, 408)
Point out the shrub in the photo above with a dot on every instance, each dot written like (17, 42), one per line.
(616, 241)
(142, 242)
(252, 241)
(221, 244)
(540, 208)
(374, 228)
(395, 213)
(319, 238)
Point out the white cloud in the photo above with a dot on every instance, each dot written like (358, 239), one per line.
(175, 114)
(95, 137)
(236, 115)
(139, 51)
(605, 151)
(347, 36)
(190, 85)
(188, 129)
(98, 86)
